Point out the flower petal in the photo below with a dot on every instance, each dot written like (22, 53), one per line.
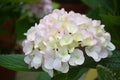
(27, 48)
(63, 53)
(37, 59)
(66, 39)
(31, 34)
(92, 53)
(49, 71)
(49, 59)
(78, 37)
(77, 58)
(88, 42)
(27, 59)
(64, 67)
(66, 58)
(57, 63)
(37, 42)
(110, 46)
(72, 28)
(104, 53)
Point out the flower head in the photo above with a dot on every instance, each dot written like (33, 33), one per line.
(60, 38)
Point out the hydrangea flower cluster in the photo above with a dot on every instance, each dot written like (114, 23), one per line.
(62, 39)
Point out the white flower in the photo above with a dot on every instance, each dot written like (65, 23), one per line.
(58, 41)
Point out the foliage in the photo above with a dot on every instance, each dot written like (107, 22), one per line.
(14, 62)
(43, 76)
(22, 21)
(104, 73)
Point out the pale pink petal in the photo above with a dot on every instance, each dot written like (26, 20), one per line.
(57, 63)
(28, 47)
(49, 59)
(31, 34)
(104, 53)
(37, 59)
(77, 58)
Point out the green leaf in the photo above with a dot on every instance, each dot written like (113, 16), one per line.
(15, 62)
(112, 62)
(94, 13)
(117, 75)
(43, 76)
(92, 3)
(111, 20)
(100, 4)
(78, 75)
(60, 76)
(74, 74)
(55, 5)
(104, 73)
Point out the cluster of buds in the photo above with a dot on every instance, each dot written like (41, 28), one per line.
(61, 39)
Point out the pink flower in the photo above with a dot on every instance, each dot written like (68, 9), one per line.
(59, 39)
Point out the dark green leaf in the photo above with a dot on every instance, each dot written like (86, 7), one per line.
(112, 62)
(43, 76)
(74, 74)
(104, 73)
(94, 13)
(78, 75)
(117, 75)
(100, 4)
(111, 20)
(60, 76)
(92, 3)
(89, 62)
(14, 62)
